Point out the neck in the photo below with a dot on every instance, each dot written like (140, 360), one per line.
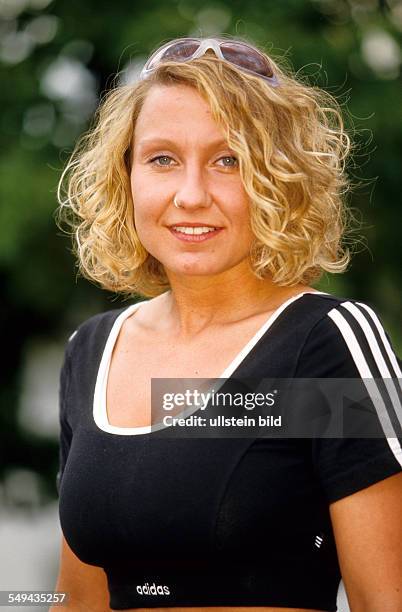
(195, 303)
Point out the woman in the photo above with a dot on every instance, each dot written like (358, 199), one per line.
(214, 187)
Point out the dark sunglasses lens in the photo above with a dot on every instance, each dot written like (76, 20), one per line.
(246, 57)
(179, 52)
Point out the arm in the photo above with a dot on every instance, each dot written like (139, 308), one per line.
(361, 477)
(85, 585)
(368, 533)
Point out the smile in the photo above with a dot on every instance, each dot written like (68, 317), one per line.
(194, 234)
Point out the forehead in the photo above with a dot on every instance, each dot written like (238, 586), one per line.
(174, 109)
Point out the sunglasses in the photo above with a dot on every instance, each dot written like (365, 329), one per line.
(239, 54)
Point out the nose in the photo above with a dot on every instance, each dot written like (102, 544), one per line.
(193, 193)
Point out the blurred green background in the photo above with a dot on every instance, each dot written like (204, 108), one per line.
(56, 59)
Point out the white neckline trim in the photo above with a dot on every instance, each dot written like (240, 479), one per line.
(99, 399)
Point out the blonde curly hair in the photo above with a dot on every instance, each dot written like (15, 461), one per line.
(292, 147)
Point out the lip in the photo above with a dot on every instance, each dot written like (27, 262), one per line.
(196, 237)
(186, 224)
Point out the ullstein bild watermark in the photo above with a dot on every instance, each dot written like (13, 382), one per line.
(281, 407)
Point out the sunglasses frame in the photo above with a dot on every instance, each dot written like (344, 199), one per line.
(204, 45)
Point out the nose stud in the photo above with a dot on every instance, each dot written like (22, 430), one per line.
(175, 202)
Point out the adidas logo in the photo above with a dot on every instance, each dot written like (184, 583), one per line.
(318, 541)
(153, 589)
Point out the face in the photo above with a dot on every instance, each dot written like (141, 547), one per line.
(180, 151)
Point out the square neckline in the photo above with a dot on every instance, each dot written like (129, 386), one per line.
(99, 410)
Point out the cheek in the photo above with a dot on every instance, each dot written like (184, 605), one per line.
(148, 196)
(136, 185)
(144, 219)
(142, 201)
(240, 215)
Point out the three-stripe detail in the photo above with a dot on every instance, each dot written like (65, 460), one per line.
(377, 365)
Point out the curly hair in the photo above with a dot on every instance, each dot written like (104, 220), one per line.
(292, 147)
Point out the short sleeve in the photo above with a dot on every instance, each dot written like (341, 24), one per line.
(65, 435)
(350, 342)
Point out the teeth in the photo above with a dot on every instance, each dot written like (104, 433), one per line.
(194, 230)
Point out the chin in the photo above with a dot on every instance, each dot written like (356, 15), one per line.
(196, 269)
(193, 265)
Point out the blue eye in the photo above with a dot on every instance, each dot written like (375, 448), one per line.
(229, 157)
(167, 157)
(152, 161)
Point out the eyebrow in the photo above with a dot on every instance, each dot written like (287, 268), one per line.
(148, 142)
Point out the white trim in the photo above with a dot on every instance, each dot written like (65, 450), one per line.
(99, 399)
(250, 345)
(365, 372)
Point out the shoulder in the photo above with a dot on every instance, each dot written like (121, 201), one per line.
(348, 341)
(346, 338)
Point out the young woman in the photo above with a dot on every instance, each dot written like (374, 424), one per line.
(214, 186)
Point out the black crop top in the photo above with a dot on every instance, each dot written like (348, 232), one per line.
(221, 522)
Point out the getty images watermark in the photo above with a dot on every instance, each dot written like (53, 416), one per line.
(299, 407)
(194, 398)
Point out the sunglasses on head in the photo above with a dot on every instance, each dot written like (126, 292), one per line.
(239, 54)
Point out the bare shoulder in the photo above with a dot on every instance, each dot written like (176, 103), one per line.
(153, 309)
(148, 317)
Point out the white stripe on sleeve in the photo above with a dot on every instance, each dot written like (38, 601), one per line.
(384, 338)
(365, 372)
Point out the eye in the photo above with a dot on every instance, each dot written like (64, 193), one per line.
(232, 158)
(153, 161)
